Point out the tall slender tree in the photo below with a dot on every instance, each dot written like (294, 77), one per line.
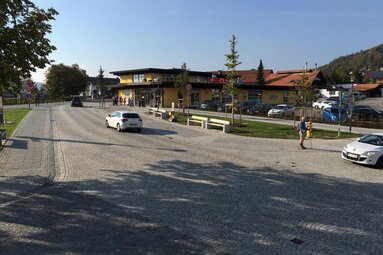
(260, 75)
(101, 86)
(232, 61)
(182, 79)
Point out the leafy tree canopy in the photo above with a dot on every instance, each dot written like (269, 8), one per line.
(304, 93)
(23, 43)
(64, 81)
(232, 61)
(101, 82)
(182, 79)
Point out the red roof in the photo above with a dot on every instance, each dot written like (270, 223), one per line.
(249, 76)
(289, 77)
(365, 87)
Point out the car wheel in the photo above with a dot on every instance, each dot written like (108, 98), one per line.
(379, 163)
(106, 124)
(139, 129)
(118, 127)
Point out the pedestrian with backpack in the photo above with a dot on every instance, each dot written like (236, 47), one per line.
(302, 128)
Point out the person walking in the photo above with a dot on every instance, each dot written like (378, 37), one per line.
(302, 128)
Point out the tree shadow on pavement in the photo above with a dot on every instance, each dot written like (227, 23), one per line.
(180, 207)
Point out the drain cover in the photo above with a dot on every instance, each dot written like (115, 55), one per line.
(296, 241)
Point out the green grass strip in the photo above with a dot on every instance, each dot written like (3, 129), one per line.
(270, 130)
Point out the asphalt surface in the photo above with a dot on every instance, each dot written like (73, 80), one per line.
(68, 185)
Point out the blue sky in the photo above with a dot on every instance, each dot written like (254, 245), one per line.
(285, 34)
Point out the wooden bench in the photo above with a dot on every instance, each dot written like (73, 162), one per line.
(151, 110)
(3, 135)
(224, 124)
(160, 113)
(197, 119)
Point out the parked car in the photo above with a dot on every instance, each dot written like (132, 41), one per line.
(281, 110)
(324, 103)
(123, 120)
(367, 150)
(331, 114)
(358, 95)
(366, 114)
(209, 105)
(245, 105)
(76, 102)
(260, 109)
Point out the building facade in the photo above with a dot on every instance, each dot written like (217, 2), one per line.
(152, 86)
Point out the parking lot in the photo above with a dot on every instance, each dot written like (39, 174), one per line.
(175, 189)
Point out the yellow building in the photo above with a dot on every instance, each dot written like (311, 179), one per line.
(152, 86)
(149, 86)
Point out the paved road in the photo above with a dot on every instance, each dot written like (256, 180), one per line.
(179, 190)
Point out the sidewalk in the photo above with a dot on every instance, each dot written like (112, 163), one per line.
(27, 159)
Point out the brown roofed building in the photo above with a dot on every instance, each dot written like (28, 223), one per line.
(369, 90)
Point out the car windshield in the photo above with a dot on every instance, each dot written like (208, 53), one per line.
(278, 107)
(372, 139)
(336, 110)
(131, 115)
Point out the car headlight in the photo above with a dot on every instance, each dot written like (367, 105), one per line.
(369, 153)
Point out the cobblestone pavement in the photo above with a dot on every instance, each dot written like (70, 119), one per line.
(182, 190)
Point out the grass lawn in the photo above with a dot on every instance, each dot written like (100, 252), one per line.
(269, 130)
(13, 117)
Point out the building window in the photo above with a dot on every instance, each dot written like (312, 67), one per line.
(285, 97)
(138, 78)
(255, 95)
(194, 98)
(226, 98)
(215, 94)
(168, 77)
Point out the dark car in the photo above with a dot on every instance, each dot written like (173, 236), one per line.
(259, 109)
(366, 114)
(76, 102)
(209, 105)
(245, 105)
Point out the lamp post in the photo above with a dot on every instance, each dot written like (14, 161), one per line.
(351, 102)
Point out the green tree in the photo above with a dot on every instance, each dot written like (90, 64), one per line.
(23, 43)
(101, 86)
(232, 61)
(182, 79)
(304, 93)
(260, 75)
(65, 81)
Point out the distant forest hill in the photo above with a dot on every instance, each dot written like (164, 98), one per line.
(355, 67)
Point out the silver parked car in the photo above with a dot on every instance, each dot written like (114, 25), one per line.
(281, 110)
(123, 120)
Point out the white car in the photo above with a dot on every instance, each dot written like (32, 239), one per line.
(123, 120)
(367, 150)
(281, 110)
(324, 104)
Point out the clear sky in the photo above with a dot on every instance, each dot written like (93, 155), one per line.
(285, 34)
